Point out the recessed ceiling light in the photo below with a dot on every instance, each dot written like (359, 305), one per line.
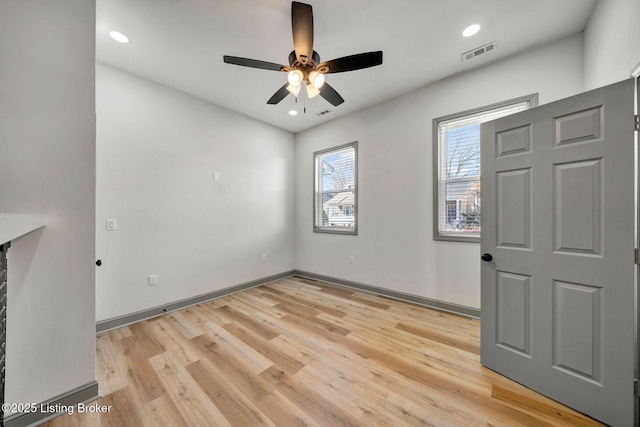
(119, 37)
(471, 30)
(293, 113)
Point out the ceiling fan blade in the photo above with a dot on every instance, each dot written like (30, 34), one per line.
(253, 63)
(302, 27)
(330, 94)
(279, 95)
(351, 62)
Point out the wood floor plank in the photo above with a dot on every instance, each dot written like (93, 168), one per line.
(77, 420)
(146, 340)
(253, 296)
(303, 282)
(244, 354)
(289, 306)
(317, 326)
(174, 341)
(364, 396)
(312, 342)
(196, 315)
(127, 412)
(371, 302)
(380, 377)
(272, 352)
(254, 386)
(182, 323)
(192, 403)
(447, 339)
(110, 364)
(548, 411)
(414, 414)
(120, 333)
(234, 405)
(250, 322)
(324, 409)
(250, 306)
(303, 297)
(141, 376)
(210, 313)
(299, 352)
(285, 413)
(162, 412)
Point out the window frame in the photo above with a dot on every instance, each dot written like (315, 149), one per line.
(532, 99)
(350, 231)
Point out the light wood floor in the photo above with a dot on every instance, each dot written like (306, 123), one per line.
(303, 353)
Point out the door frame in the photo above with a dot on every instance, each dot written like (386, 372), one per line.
(635, 74)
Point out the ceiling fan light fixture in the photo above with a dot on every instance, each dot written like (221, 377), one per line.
(295, 78)
(293, 90)
(119, 37)
(312, 91)
(471, 30)
(316, 79)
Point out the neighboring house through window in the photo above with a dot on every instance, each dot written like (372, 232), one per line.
(335, 187)
(456, 141)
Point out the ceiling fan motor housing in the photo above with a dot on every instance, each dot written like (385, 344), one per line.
(310, 65)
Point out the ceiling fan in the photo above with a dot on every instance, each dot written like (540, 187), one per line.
(305, 68)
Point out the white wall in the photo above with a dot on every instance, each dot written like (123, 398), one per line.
(395, 247)
(157, 151)
(47, 166)
(612, 42)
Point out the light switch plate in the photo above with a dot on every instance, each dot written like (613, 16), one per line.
(111, 224)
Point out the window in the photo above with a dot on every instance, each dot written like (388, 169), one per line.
(335, 186)
(456, 141)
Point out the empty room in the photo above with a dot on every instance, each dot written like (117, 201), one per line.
(239, 213)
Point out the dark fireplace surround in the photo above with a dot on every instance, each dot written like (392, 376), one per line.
(3, 320)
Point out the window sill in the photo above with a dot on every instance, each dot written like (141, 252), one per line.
(335, 231)
(457, 238)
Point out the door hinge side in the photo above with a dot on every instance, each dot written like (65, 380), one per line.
(637, 125)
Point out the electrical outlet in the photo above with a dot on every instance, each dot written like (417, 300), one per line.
(216, 176)
(352, 260)
(111, 224)
(152, 279)
(264, 258)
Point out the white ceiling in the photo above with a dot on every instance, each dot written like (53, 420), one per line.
(180, 43)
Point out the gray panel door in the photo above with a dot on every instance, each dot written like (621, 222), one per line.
(558, 219)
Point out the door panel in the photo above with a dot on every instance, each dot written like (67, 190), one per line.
(558, 218)
(513, 210)
(577, 207)
(577, 312)
(514, 313)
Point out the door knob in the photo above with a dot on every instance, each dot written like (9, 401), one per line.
(487, 257)
(99, 262)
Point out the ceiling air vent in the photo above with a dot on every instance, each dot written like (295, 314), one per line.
(473, 53)
(323, 112)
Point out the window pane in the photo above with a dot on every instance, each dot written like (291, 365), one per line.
(336, 209)
(337, 172)
(458, 169)
(335, 190)
(463, 152)
(462, 207)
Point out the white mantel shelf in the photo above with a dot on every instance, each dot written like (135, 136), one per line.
(13, 226)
